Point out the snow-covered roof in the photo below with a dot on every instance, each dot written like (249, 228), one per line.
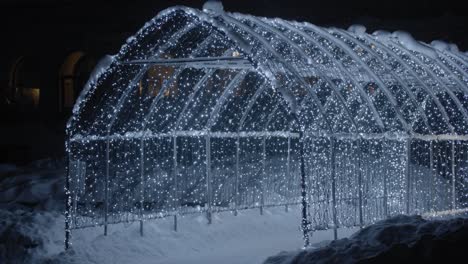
(215, 71)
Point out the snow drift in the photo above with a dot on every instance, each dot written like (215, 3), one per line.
(401, 239)
(30, 236)
(32, 200)
(39, 186)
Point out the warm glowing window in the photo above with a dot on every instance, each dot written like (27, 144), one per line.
(25, 81)
(68, 92)
(74, 74)
(31, 95)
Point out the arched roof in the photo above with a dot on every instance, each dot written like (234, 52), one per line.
(189, 71)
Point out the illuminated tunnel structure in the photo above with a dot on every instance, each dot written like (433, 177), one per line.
(208, 111)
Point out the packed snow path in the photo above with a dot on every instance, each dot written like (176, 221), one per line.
(246, 238)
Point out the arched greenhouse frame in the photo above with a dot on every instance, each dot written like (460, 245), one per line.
(209, 111)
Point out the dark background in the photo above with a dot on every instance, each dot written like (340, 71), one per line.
(44, 34)
(51, 20)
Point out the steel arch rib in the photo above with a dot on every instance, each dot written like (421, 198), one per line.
(250, 105)
(405, 86)
(377, 79)
(275, 109)
(463, 57)
(239, 41)
(281, 35)
(196, 88)
(267, 46)
(437, 79)
(268, 118)
(460, 56)
(155, 101)
(202, 45)
(140, 74)
(457, 67)
(455, 77)
(227, 92)
(277, 106)
(94, 87)
(456, 57)
(413, 73)
(341, 67)
(252, 102)
(455, 60)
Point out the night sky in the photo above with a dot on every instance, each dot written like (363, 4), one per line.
(49, 20)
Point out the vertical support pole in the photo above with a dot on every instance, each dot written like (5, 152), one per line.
(432, 175)
(106, 187)
(176, 188)
(75, 196)
(304, 223)
(454, 194)
(408, 176)
(333, 190)
(142, 175)
(68, 202)
(384, 171)
(237, 182)
(385, 193)
(359, 171)
(262, 182)
(288, 171)
(208, 177)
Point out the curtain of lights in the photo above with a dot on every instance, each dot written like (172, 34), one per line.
(203, 111)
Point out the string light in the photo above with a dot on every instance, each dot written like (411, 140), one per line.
(150, 140)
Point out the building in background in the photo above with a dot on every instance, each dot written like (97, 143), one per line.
(49, 49)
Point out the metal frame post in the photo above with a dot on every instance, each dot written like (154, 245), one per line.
(288, 172)
(333, 190)
(385, 182)
(79, 172)
(432, 175)
(142, 175)
(106, 187)
(262, 182)
(176, 189)
(359, 171)
(68, 204)
(237, 182)
(408, 175)
(385, 193)
(208, 177)
(454, 194)
(304, 223)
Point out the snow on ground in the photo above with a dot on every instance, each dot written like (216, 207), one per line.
(32, 229)
(38, 186)
(30, 236)
(245, 238)
(401, 239)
